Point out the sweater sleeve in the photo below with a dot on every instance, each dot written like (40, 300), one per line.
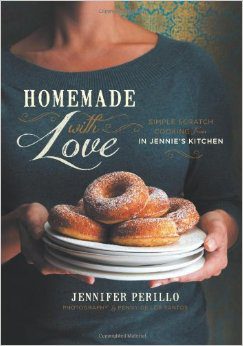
(210, 182)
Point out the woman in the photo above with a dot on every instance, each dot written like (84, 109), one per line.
(86, 48)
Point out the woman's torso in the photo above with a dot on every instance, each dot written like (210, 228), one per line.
(39, 167)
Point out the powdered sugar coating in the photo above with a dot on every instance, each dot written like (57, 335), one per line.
(68, 220)
(145, 232)
(59, 215)
(146, 227)
(115, 197)
(156, 193)
(157, 204)
(183, 213)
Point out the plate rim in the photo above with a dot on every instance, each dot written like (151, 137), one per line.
(48, 241)
(132, 277)
(119, 248)
(128, 270)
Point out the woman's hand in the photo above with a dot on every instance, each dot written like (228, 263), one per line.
(222, 233)
(27, 222)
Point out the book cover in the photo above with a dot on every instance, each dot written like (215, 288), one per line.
(121, 167)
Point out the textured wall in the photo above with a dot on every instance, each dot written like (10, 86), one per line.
(215, 26)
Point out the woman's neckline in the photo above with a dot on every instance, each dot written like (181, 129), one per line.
(131, 63)
(138, 73)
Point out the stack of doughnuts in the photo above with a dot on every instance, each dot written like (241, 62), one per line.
(119, 208)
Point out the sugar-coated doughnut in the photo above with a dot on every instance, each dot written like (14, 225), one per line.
(144, 232)
(69, 220)
(115, 197)
(183, 213)
(157, 205)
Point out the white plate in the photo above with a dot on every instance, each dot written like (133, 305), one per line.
(110, 259)
(115, 269)
(187, 242)
(125, 276)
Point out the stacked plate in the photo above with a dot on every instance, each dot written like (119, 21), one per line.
(125, 263)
